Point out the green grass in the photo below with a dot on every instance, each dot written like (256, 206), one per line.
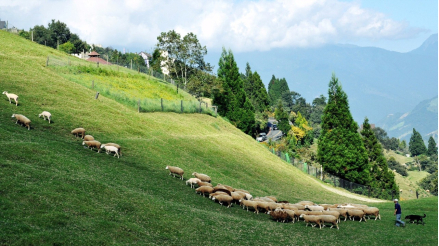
(55, 192)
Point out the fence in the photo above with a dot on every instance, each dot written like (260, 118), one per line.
(142, 105)
(336, 181)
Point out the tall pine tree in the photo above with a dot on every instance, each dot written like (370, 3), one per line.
(382, 179)
(432, 148)
(276, 88)
(255, 89)
(416, 144)
(232, 102)
(340, 148)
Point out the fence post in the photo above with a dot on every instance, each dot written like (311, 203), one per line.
(97, 95)
(138, 106)
(47, 62)
(161, 100)
(200, 106)
(97, 64)
(177, 88)
(333, 177)
(181, 105)
(369, 190)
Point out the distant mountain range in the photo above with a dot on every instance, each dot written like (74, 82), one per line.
(378, 82)
(424, 118)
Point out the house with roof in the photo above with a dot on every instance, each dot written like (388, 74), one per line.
(3, 25)
(94, 57)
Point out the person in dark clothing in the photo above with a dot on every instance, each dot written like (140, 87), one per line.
(398, 214)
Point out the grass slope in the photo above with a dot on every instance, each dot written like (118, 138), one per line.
(55, 192)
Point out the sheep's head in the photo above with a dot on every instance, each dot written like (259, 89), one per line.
(83, 142)
(301, 216)
(167, 167)
(13, 115)
(193, 174)
(5, 92)
(103, 145)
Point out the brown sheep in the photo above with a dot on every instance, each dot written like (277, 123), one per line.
(78, 131)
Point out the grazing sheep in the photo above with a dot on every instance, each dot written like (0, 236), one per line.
(314, 208)
(175, 170)
(113, 149)
(273, 206)
(326, 206)
(272, 198)
(115, 145)
(201, 183)
(242, 191)
(22, 119)
(230, 188)
(222, 190)
(297, 214)
(306, 203)
(329, 219)
(78, 131)
(333, 213)
(89, 138)
(343, 212)
(299, 206)
(252, 204)
(237, 196)
(248, 196)
(357, 213)
(279, 215)
(290, 206)
(202, 177)
(92, 144)
(204, 189)
(291, 214)
(45, 115)
(313, 212)
(193, 181)
(217, 193)
(372, 211)
(312, 219)
(265, 206)
(223, 199)
(11, 96)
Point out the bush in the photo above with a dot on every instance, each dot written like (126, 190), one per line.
(395, 165)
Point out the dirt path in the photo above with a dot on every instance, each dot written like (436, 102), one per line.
(348, 194)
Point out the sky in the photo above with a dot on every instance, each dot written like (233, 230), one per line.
(241, 25)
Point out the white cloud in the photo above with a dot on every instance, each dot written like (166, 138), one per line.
(241, 26)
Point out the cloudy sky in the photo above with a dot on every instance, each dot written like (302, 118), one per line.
(242, 25)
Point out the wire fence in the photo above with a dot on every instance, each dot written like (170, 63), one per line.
(142, 105)
(326, 177)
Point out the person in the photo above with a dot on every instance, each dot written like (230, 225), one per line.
(398, 214)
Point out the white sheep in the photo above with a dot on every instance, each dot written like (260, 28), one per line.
(204, 189)
(314, 208)
(329, 219)
(175, 170)
(202, 177)
(92, 144)
(372, 211)
(109, 149)
(312, 219)
(115, 145)
(201, 183)
(89, 138)
(45, 115)
(333, 213)
(343, 212)
(78, 131)
(193, 181)
(223, 199)
(357, 213)
(22, 119)
(13, 96)
(246, 204)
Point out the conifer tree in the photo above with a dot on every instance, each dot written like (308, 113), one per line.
(340, 148)
(255, 89)
(282, 118)
(416, 144)
(232, 102)
(276, 88)
(432, 148)
(381, 177)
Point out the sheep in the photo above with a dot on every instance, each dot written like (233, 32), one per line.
(237, 196)
(109, 149)
(13, 96)
(202, 177)
(248, 196)
(343, 212)
(314, 208)
(78, 131)
(242, 191)
(192, 181)
(246, 203)
(265, 205)
(230, 188)
(333, 213)
(357, 213)
(272, 198)
(201, 183)
(306, 203)
(299, 206)
(372, 211)
(291, 213)
(22, 119)
(312, 219)
(279, 215)
(215, 189)
(175, 170)
(329, 219)
(273, 206)
(115, 145)
(326, 206)
(223, 199)
(45, 115)
(216, 193)
(89, 138)
(204, 189)
(92, 144)
(290, 206)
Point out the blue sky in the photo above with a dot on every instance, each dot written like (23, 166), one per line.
(240, 25)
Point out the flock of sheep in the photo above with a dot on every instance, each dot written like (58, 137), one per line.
(88, 139)
(281, 211)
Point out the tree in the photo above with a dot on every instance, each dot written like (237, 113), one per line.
(25, 34)
(275, 89)
(255, 89)
(282, 119)
(67, 47)
(318, 105)
(430, 183)
(59, 33)
(381, 176)
(232, 101)
(393, 164)
(416, 144)
(340, 148)
(432, 148)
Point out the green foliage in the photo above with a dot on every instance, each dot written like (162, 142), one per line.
(432, 147)
(430, 183)
(282, 119)
(255, 89)
(416, 144)
(25, 35)
(232, 101)
(67, 47)
(393, 164)
(275, 89)
(340, 149)
(318, 106)
(381, 177)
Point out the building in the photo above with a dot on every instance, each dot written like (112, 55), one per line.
(94, 57)
(3, 25)
(147, 57)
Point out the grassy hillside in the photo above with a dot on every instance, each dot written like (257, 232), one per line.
(54, 191)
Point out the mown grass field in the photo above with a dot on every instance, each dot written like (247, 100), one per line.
(55, 192)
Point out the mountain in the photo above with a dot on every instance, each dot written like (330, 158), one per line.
(378, 82)
(424, 118)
